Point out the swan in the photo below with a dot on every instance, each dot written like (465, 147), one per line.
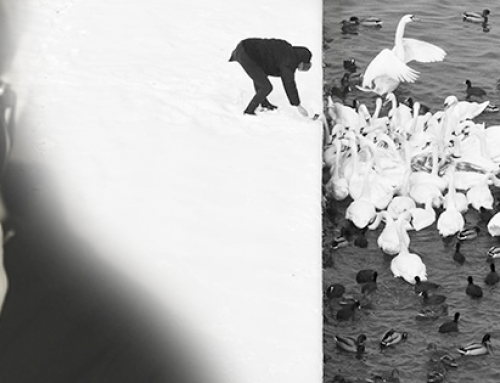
(361, 211)
(464, 110)
(389, 239)
(494, 225)
(337, 186)
(407, 265)
(479, 196)
(389, 68)
(451, 220)
(423, 217)
(403, 202)
(342, 114)
(399, 114)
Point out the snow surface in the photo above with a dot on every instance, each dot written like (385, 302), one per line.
(137, 113)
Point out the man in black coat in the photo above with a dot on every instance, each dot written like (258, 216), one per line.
(261, 58)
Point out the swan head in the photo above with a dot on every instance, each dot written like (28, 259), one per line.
(409, 18)
(450, 100)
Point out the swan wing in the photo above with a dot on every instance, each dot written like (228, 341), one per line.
(422, 51)
(387, 64)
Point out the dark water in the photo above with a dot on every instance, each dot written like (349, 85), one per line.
(471, 54)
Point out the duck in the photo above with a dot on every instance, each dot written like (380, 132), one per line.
(473, 91)
(432, 312)
(450, 326)
(347, 312)
(335, 290)
(371, 286)
(458, 256)
(343, 90)
(350, 344)
(392, 338)
(473, 290)
(388, 68)
(493, 252)
(468, 233)
(473, 349)
(368, 21)
(492, 278)
(435, 299)
(339, 242)
(476, 17)
(366, 275)
(421, 286)
(350, 65)
(349, 28)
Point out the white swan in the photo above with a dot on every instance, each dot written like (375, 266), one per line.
(463, 110)
(403, 202)
(337, 186)
(362, 211)
(423, 217)
(389, 239)
(407, 265)
(389, 68)
(494, 225)
(479, 196)
(450, 221)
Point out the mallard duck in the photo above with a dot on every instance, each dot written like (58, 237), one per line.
(432, 313)
(473, 91)
(339, 242)
(369, 21)
(421, 286)
(477, 348)
(473, 290)
(476, 17)
(450, 326)
(435, 299)
(458, 256)
(441, 356)
(493, 252)
(350, 344)
(492, 277)
(468, 233)
(392, 337)
(366, 275)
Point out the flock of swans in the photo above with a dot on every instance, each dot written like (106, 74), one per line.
(400, 167)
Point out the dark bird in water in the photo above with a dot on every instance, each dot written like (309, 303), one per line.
(369, 21)
(347, 312)
(349, 27)
(434, 299)
(350, 66)
(450, 326)
(335, 290)
(421, 286)
(371, 286)
(472, 289)
(432, 312)
(492, 277)
(473, 91)
(458, 255)
(409, 101)
(343, 90)
(366, 275)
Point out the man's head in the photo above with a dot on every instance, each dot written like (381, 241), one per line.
(303, 56)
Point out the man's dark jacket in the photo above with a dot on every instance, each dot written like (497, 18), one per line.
(276, 58)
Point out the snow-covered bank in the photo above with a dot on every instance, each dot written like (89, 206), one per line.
(137, 113)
